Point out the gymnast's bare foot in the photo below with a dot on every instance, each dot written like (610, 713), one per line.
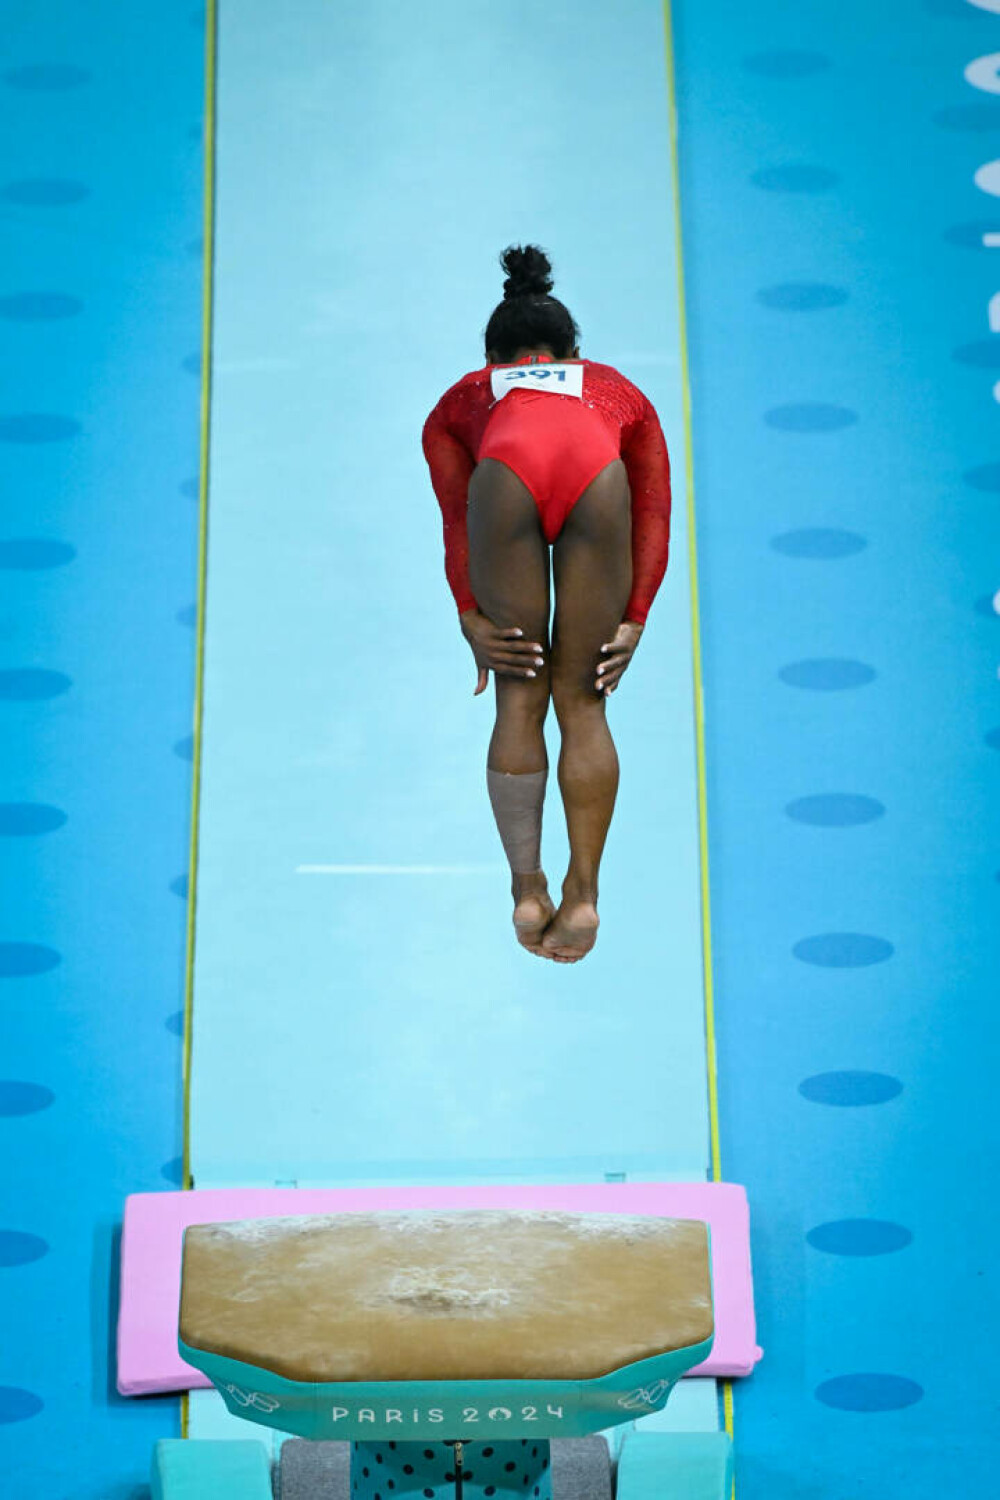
(533, 910)
(573, 930)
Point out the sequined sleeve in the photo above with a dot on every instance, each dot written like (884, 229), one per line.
(644, 454)
(451, 465)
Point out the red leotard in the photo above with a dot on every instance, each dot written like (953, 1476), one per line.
(556, 444)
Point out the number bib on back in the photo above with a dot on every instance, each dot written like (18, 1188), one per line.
(561, 380)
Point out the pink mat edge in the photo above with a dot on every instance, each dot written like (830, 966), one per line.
(153, 1223)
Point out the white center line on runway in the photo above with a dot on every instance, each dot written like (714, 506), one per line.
(400, 869)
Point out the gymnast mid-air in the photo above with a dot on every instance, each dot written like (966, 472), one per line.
(541, 448)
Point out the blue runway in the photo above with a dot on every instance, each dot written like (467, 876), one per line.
(834, 192)
(340, 726)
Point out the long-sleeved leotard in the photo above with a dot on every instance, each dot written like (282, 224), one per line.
(455, 433)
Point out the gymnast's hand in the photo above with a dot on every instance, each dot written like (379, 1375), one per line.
(505, 651)
(616, 655)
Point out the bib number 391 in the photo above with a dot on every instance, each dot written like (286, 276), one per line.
(561, 380)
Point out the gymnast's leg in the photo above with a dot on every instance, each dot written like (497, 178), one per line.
(592, 566)
(509, 575)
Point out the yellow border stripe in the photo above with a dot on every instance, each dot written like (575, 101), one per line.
(713, 1076)
(211, 32)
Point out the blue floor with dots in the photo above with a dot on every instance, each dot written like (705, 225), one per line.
(837, 180)
(100, 327)
(846, 481)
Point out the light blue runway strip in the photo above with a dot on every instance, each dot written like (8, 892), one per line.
(372, 163)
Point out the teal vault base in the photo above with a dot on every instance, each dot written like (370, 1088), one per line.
(652, 1466)
(434, 1410)
(518, 1469)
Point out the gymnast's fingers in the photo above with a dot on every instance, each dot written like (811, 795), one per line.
(615, 662)
(515, 669)
(611, 675)
(516, 633)
(511, 630)
(502, 653)
(528, 649)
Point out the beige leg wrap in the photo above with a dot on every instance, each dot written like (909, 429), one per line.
(517, 806)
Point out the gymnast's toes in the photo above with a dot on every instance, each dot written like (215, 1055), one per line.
(532, 915)
(572, 932)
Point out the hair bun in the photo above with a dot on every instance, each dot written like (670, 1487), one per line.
(529, 271)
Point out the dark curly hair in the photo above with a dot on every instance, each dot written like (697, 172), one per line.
(528, 316)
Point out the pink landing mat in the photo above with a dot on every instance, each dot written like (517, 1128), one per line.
(154, 1224)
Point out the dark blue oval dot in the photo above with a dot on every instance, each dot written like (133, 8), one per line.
(39, 307)
(185, 748)
(822, 543)
(969, 117)
(29, 684)
(30, 554)
(196, 133)
(16, 1405)
(786, 63)
(810, 416)
(985, 477)
(986, 605)
(843, 950)
(44, 192)
(179, 886)
(970, 236)
(19, 1249)
(801, 296)
(20, 960)
(850, 1088)
(175, 1023)
(192, 364)
(195, 247)
(859, 1237)
(835, 810)
(187, 616)
(190, 488)
(37, 427)
(17, 1098)
(827, 674)
(993, 739)
(46, 76)
(27, 819)
(795, 177)
(173, 1171)
(869, 1392)
(197, 18)
(983, 354)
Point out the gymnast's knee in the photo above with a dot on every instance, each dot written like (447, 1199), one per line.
(575, 694)
(523, 700)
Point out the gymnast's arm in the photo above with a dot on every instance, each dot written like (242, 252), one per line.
(451, 465)
(647, 463)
